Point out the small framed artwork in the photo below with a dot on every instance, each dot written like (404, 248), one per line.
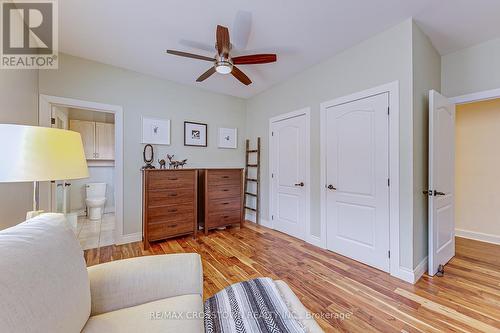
(195, 134)
(155, 131)
(228, 138)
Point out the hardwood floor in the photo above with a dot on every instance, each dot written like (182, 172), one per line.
(347, 296)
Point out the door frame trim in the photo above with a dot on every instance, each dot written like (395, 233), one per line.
(392, 89)
(44, 114)
(308, 237)
(476, 97)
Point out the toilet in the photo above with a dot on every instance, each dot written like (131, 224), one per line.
(96, 198)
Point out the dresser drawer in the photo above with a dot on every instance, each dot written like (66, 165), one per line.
(171, 179)
(224, 205)
(224, 218)
(224, 191)
(171, 213)
(224, 177)
(158, 198)
(168, 229)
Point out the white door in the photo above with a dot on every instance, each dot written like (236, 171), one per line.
(59, 188)
(357, 175)
(288, 168)
(441, 181)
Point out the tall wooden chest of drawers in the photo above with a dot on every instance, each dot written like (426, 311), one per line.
(169, 203)
(223, 197)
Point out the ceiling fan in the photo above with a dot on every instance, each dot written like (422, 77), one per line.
(223, 62)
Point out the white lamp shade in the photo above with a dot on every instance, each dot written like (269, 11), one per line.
(31, 153)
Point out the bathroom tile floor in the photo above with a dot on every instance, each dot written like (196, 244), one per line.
(96, 233)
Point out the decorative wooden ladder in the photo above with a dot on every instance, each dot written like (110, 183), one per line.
(254, 180)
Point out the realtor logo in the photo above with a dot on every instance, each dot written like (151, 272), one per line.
(29, 34)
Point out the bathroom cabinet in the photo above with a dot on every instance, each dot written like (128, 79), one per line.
(98, 138)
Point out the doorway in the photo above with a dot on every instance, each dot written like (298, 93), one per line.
(462, 172)
(103, 154)
(290, 187)
(477, 171)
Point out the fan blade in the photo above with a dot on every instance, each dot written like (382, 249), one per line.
(189, 55)
(240, 76)
(254, 59)
(223, 43)
(206, 75)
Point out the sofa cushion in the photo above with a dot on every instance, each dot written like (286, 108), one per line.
(44, 285)
(176, 314)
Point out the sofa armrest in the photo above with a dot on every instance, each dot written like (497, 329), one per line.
(129, 282)
(303, 315)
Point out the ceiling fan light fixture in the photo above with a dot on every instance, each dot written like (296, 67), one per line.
(223, 67)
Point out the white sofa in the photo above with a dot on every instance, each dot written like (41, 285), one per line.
(45, 286)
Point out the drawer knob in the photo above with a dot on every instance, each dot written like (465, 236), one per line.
(225, 176)
(225, 203)
(172, 210)
(226, 217)
(173, 178)
(173, 194)
(225, 190)
(172, 226)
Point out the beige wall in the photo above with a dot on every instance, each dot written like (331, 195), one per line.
(472, 70)
(379, 60)
(426, 76)
(18, 105)
(477, 178)
(143, 95)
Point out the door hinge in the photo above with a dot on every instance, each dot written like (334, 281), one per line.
(388, 182)
(389, 253)
(388, 110)
(272, 217)
(272, 175)
(52, 121)
(272, 133)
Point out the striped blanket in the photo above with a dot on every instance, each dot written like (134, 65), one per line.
(250, 306)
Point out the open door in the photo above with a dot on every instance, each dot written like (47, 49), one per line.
(441, 181)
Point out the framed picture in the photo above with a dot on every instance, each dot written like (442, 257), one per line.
(155, 131)
(195, 134)
(228, 138)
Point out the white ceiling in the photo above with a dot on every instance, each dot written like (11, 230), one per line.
(135, 34)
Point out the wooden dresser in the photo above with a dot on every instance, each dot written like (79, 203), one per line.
(222, 197)
(169, 204)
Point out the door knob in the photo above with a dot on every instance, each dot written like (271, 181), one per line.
(301, 184)
(330, 187)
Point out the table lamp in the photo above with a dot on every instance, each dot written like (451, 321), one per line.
(35, 154)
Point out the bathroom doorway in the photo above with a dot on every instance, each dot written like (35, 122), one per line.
(93, 206)
(92, 199)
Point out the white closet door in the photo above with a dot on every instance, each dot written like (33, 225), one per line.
(357, 167)
(288, 144)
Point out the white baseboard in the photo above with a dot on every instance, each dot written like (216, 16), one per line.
(409, 275)
(129, 238)
(420, 269)
(266, 223)
(315, 240)
(479, 236)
